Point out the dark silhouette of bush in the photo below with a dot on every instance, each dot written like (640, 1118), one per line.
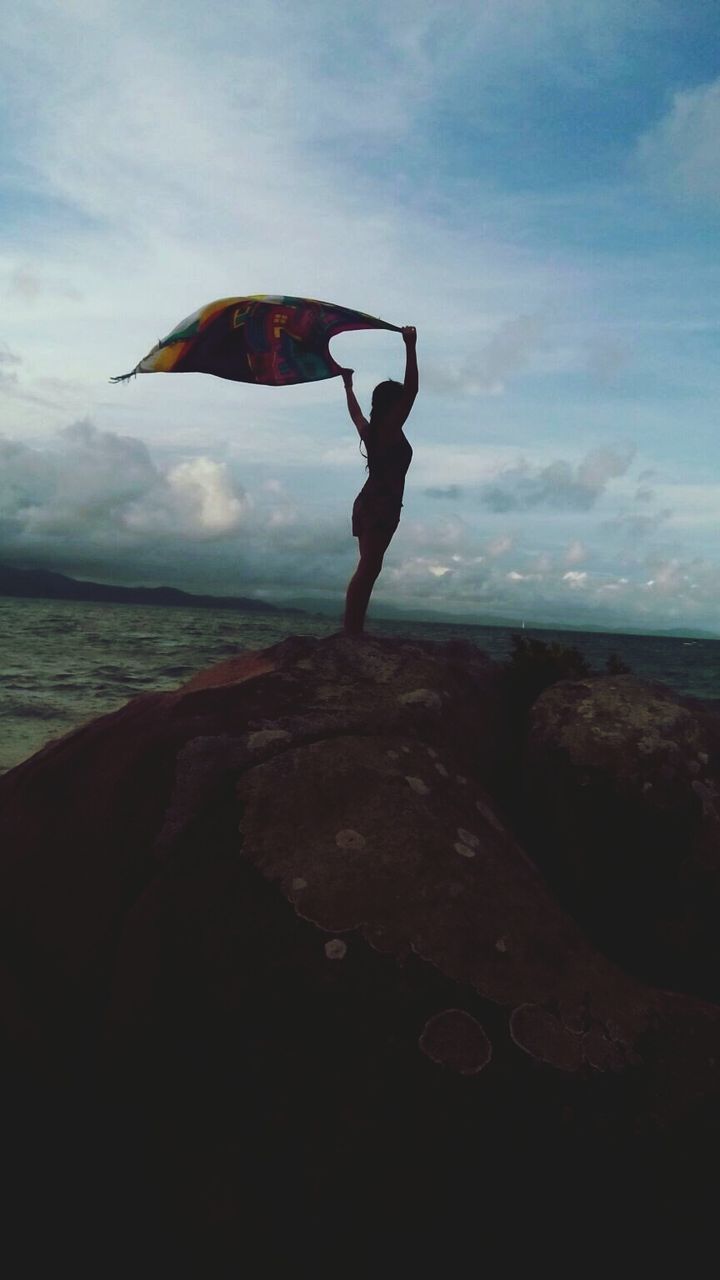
(534, 665)
(614, 665)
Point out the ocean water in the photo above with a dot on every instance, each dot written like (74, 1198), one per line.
(64, 662)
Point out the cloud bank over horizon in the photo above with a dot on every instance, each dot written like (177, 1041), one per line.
(534, 186)
(96, 503)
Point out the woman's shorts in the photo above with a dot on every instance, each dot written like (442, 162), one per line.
(382, 514)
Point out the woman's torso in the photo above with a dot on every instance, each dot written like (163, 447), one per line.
(388, 466)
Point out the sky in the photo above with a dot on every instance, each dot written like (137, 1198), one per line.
(534, 184)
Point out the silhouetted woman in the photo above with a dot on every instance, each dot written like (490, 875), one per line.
(376, 511)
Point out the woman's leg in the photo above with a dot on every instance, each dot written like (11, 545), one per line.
(373, 544)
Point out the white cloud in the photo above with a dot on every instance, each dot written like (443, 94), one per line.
(80, 484)
(9, 361)
(499, 546)
(559, 484)
(487, 370)
(675, 576)
(96, 486)
(682, 152)
(195, 497)
(633, 526)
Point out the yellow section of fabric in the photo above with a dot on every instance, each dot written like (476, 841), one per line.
(164, 360)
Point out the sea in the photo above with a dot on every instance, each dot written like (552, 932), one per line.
(64, 662)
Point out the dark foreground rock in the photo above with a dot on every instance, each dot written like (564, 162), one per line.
(278, 976)
(622, 781)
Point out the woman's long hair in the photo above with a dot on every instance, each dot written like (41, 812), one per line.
(385, 395)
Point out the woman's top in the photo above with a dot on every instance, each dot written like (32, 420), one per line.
(388, 468)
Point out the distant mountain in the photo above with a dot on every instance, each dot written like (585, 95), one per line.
(383, 612)
(43, 584)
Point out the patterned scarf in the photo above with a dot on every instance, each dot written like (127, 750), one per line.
(272, 341)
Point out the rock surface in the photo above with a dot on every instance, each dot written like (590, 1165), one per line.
(274, 936)
(623, 782)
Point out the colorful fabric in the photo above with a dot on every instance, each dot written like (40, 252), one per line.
(269, 340)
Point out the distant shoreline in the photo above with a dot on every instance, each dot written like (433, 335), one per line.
(45, 584)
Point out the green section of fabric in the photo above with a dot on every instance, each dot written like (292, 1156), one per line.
(180, 335)
(312, 367)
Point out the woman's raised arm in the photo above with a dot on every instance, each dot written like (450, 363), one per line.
(396, 417)
(354, 409)
(409, 334)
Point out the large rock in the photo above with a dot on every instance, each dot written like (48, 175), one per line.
(273, 938)
(622, 783)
